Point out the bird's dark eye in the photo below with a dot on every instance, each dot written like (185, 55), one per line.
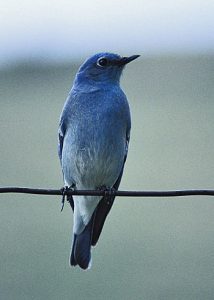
(102, 62)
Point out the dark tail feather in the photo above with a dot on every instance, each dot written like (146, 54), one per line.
(81, 248)
(72, 258)
(102, 211)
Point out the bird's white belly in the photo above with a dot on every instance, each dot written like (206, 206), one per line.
(94, 162)
(94, 169)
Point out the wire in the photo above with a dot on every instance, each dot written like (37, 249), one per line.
(62, 191)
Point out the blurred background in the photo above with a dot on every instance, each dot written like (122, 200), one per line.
(150, 248)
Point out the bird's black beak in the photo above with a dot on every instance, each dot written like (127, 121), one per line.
(124, 60)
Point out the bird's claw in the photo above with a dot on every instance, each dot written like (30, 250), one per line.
(65, 191)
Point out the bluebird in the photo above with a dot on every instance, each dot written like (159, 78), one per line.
(94, 134)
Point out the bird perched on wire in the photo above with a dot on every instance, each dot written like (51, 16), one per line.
(94, 134)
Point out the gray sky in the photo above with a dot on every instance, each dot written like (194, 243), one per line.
(62, 30)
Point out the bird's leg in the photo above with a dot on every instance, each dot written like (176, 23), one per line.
(65, 191)
(70, 197)
(109, 193)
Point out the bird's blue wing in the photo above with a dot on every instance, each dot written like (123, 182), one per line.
(60, 143)
(61, 136)
(63, 124)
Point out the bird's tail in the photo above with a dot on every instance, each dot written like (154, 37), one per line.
(81, 247)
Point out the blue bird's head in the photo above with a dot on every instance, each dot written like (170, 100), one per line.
(102, 68)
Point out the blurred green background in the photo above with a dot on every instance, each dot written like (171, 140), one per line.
(150, 248)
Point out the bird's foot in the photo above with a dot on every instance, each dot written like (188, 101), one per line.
(65, 191)
(109, 193)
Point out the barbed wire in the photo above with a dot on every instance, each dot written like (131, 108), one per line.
(63, 192)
